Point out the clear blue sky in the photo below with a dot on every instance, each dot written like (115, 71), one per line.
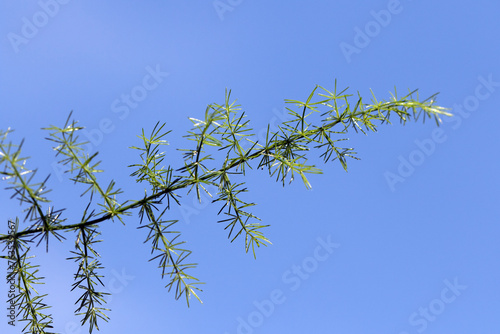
(405, 242)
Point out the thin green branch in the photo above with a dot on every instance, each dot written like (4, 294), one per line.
(321, 122)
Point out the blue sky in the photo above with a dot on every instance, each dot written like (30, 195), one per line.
(405, 242)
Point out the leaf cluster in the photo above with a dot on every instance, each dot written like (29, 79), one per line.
(223, 148)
